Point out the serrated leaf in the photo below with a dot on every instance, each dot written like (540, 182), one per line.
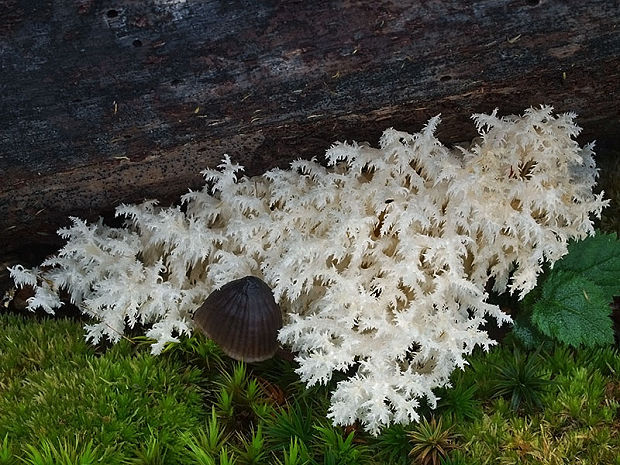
(596, 258)
(525, 331)
(573, 310)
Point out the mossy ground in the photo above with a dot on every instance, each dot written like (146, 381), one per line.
(63, 401)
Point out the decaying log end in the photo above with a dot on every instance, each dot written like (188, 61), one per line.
(114, 102)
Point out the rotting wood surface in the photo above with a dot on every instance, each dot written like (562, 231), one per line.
(106, 102)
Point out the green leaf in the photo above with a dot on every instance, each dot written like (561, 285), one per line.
(573, 310)
(596, 258)
(525, 331)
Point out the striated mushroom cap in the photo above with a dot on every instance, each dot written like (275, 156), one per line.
(242, 317)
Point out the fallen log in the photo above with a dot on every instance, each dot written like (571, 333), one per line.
(118, 101)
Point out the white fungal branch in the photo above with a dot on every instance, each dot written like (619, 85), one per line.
(379, 260)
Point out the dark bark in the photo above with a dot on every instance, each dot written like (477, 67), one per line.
(106, 102)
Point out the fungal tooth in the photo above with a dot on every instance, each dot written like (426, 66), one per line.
(243, 318)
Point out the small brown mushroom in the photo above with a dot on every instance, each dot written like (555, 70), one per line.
(242, 317)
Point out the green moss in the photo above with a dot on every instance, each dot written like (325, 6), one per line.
(27, 346)
(63, 391)
(576, 424)
(460, 401)
(63, 402)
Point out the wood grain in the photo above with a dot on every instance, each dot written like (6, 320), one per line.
(106, 102)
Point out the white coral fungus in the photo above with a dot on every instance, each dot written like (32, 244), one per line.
(379, 261)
